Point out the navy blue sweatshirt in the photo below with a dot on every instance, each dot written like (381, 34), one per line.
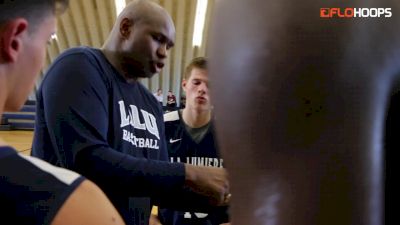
(89, 119)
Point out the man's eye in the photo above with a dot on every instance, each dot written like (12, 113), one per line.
(158, 38)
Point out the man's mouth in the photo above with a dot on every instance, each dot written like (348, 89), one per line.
(202, 99)
(156, 67)
(159, 65)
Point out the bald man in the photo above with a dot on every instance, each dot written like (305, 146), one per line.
(95, 117)
(304, 141)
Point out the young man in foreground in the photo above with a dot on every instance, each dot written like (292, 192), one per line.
(31, 190)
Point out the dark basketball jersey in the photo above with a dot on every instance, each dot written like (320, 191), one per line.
(31, 190)
(182, 148)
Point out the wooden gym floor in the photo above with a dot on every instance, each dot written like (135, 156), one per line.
(20, 140)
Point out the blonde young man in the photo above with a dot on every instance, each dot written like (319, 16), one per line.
(31, 190)
(191, 139)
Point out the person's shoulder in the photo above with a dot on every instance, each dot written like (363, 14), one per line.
(78, 53)
(150, 97)
(75, 50)
(36, 168)
(29, 176)
(171, 116)
(6, 151)
(65, 176)
(76, 66)
(87, 205)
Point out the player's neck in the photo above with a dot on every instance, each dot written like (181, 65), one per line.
(196, 118)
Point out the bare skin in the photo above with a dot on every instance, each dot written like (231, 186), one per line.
(197, 112)
(140, 23)
(87, 205)
(301, 104)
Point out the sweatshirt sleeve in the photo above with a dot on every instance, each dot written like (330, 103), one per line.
(74, 98)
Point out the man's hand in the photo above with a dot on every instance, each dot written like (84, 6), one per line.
(154, 220)
(209, 181)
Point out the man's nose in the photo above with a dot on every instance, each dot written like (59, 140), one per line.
(162, 51)
(203, 87)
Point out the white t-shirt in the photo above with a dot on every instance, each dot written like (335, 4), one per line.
(158, 97)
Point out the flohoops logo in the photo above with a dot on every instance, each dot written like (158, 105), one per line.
(355, 12)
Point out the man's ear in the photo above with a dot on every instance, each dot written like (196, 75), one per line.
(184, 82)
(11, 39)
(125, 27)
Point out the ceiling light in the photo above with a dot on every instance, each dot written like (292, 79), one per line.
(201, 10)
(119, 6)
